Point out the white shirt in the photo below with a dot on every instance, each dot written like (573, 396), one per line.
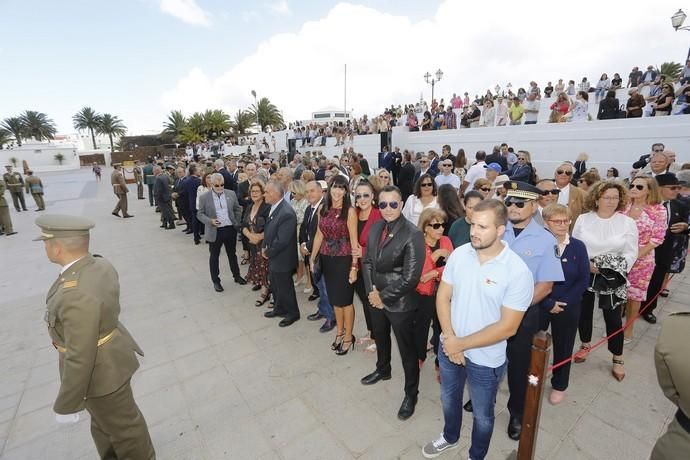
(531, 105)
(479, 292)
(617, 234)
(221, 206)
(475, 172)
(65, 267)
(564, 196)
(451, 179)
(413, 208)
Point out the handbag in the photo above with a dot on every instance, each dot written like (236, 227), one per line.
(316, 269)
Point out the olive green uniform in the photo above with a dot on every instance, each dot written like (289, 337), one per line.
(97, 358)
(139, 178)
(673, 372)
(5, 220)
(15, 184)
(120, 189)
(34, 186)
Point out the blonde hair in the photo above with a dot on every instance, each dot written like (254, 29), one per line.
(298, 188)
(481, 182)
(582, 157)
(556, 209)
(653, 190)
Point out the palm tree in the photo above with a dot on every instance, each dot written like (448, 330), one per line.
(196, 125)
(111, 126)
(267, 114)
(5, 137)
(38, 125)
(87, 118)
(216, 123)
(244, 119)
(190, 136)
(671, 70)
(15, 127)
(175, 124)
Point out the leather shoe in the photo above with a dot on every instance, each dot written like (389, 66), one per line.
(313, 297)
(514, 428)
(468, 406)
(256, 287)
(649, 317)
(116, 214)
(327, 326)
(407, 407)
(273, 314)
(127, 216)
(315, 316)
(241, 281)
(374, 377)
(217, 286)
(285, 322)
(10, 233)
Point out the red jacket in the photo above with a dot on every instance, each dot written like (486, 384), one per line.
(374, 215)
(429, 288)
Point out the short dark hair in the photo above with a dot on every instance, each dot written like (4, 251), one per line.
(418, 185)
(584, 95)
(471, 194)
(480, 155)
(497, 207)
(611, 94)
(391, 189)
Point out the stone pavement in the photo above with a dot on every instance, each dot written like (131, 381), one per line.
(221, 381)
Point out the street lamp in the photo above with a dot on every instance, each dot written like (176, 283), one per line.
(678, 19)
(256, 108)
(432, 81)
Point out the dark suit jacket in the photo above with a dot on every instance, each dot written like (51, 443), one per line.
(228, 179)
(307, 230)
(191, 185)
(207, 213)
(679, 213)
(406, 180)
(280, 239)
(161, 188)
(320, 174)
(608, 109)
(497, 158)
(396, 267)
(243, 194)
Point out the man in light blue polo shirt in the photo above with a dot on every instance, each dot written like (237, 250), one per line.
(481, 299)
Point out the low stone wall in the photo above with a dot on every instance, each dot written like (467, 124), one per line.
(143, 153)
(88, 160)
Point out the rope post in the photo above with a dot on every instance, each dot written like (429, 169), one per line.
(541, 345)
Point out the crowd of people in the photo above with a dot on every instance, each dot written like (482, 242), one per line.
(543, 250)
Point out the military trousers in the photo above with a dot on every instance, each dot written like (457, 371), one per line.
(38, 198)
(118, 427)
(18, 199)
(674, 444)
(121, 203)
(5, 220)
(140, 190)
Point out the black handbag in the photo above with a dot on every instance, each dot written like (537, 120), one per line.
(316, 269)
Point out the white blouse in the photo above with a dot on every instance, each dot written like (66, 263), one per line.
(615, 235)
(413, 208)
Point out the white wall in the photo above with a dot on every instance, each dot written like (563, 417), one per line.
(40, 156)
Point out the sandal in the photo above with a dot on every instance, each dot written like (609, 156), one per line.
(664, 293)
(244, 261)
(581, 356)
(262, 300)
(618, 375)
(338, 340)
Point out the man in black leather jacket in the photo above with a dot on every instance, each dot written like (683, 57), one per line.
(391, 270)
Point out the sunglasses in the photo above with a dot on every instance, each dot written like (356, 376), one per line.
(552, 192)
(437, 225)
(637, 186)
(363, 195)
(658, 150)
(518, 204)
(485, 189)
(392, 204)
(560, 221)
(426, 184)
(219, 185)
(561, 172)
(240, 167)
(446, 166)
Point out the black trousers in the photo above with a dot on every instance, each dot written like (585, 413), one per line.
(197, 226)
(519, 352)
(403, 328)
(167, 213)
(225, 236)
(612, 318)
(283, 289)
(366, 305)
(563, 331)
(657, 282)
(151, 197)
(425, 316)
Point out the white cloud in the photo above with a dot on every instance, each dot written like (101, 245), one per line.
(249, 16)
(187, 11)
(279, 7)
(476, 44)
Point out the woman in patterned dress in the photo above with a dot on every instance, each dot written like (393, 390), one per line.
(299, 203)
(650, 217)
(253, 222)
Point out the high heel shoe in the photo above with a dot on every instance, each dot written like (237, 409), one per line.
(343, 348)
(338, 340)
(262, 300)
(618, 375)
(581, 355)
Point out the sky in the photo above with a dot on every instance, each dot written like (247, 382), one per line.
(140, 59)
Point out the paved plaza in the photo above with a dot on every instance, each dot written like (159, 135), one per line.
(221, 381)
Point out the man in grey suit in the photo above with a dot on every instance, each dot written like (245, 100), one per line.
(161, 190)
(280, 248)
(220, 212)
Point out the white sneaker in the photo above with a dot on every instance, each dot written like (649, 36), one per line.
(437, 447)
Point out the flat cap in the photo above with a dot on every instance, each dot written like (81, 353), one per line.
(63, 226)
(522, 190)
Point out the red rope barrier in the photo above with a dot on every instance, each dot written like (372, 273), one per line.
(619, 331)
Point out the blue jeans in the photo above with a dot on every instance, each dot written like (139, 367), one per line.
(325, 307)
(483, 383)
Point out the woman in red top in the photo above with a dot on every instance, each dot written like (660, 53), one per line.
(438, 248)
(559, 108)
(334, 242)
(367, 214)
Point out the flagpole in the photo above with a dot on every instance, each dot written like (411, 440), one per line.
(345, 94)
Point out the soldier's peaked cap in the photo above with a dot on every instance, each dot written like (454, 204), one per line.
(63, 226)
(522, 191)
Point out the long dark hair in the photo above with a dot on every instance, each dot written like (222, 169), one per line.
(418, 185)
(338, 180)
(449, 202)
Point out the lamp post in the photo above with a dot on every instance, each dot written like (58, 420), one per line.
(677, 21)
(256, 108)
(432, 81)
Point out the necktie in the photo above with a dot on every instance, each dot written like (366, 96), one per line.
(384, 234)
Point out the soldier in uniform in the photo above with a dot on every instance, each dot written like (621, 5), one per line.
(15, 184)
(96, 353)
(673, 373)
(117, 179)
(162, 191)
(34, 186)
(149, 178)
(139, 178)
(5, 220)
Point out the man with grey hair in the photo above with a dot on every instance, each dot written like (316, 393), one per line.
(219, 166)
(280, 248)
(285, 177)
(658, 164)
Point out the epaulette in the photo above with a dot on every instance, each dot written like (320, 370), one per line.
(70, 284)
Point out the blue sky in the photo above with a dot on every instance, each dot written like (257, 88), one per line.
(135, 59)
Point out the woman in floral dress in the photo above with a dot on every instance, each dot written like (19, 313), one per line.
(649, 214)
(255, 217)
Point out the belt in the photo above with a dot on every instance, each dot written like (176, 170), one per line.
(683, 420)
(102, 341)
